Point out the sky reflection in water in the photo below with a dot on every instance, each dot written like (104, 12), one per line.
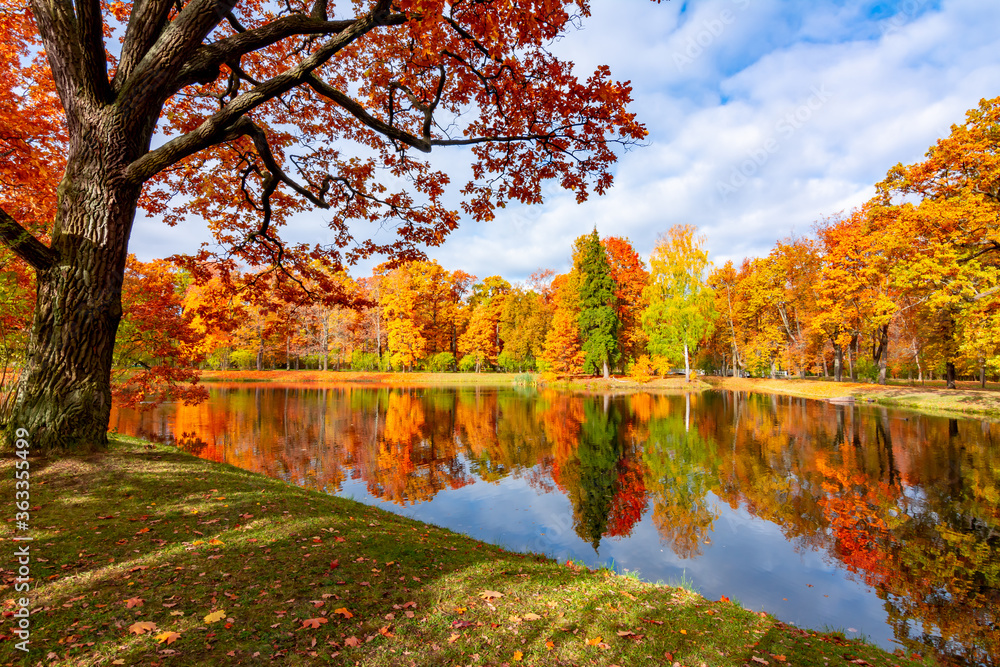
(856, 518)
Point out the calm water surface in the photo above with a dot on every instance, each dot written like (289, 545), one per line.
(863, 519)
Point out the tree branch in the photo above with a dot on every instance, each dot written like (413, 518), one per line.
(38, 255)
(155, 73)
(95, 63)
(219, 127)
(359, 112)
(205, 62)
(145, 25)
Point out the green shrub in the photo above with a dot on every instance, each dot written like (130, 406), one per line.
(243, 359)
(440, 362)
(364, 361)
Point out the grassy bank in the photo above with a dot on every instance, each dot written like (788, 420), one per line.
(146, 555)
(568, 382)
(965, 401)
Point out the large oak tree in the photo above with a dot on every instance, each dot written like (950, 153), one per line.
(243, 113)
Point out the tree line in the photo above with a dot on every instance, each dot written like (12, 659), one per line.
(904, 286)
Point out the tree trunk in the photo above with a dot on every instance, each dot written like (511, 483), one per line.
(950, 374)
(325, 345)
(64, 394)
(687, 366)
(982, 375)
(838, 362)
(882, 355)
(606, 373)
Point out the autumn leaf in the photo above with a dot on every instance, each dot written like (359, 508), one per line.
(343, 612)
(454, 637)
(141, 627)
(215, 616)
(169, 637)
(549, 645)
(594, 642)
(723, 599)
(352, 641)
(215, 541)
(517, 656)
(133, 602)
(531, 617)
(490, 595)
(314, 622)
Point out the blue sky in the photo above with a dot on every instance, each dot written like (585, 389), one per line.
(765, 116)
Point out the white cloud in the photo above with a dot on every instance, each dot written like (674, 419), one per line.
(799, 108)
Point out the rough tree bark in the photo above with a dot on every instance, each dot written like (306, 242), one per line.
(64, 395)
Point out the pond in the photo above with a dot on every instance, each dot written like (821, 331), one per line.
(875, 522)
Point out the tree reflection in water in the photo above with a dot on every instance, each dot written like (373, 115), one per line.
(910, 505)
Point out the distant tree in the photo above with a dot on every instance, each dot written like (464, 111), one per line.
(562, 353)
(681, 304)
(599, 323)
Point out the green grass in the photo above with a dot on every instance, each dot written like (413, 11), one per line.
(147, 534)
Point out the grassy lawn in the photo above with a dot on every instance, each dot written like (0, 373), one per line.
(144, 555)
(966, 401)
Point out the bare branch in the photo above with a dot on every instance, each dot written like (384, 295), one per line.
(23, 244)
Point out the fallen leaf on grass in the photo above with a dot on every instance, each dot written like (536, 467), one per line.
(517, 656)
(133, 602)
(454, 637)
(352, 641)
(549, 645)
(343, 612)
(314, 622)
(490, 595)
(760, 660)
(531, 617)
(141, 627)
(625, 633)
(215, 616)
(594, 642)
(215, 541)
(169, 637)
(723, 599)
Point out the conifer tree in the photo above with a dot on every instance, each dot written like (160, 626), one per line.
(598, 316)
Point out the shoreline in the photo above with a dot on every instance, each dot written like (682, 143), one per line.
(145, 554)
(966, 402)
